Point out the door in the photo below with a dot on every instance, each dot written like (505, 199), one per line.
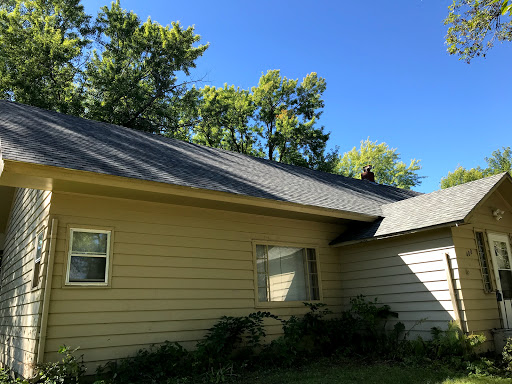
(501, 255)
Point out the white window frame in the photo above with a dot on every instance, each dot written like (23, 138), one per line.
(294, 303)
(36, 270)
(108, 257)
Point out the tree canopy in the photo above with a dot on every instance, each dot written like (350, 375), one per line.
(132, 79)
(42, 46)
(475, 25)
(500, 161)
(387, 166)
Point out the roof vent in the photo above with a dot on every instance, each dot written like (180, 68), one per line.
(368, 174)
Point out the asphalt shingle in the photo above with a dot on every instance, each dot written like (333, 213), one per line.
(436, 208)
(33, 135)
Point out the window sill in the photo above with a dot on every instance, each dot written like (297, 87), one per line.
(286, 304)
(87, 285)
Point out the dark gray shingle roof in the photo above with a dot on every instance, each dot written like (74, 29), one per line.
(33, 135)
(429, 210)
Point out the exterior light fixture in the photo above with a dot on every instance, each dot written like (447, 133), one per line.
(498, 214)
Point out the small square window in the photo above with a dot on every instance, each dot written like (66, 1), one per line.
(286, 273)
(88, 259)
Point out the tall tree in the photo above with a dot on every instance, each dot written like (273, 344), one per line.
(133, 78)
(41, 52)
(500, 161)
(386, 164)
(226, 120)
(288, 112)
(461, 175)
(475, 25)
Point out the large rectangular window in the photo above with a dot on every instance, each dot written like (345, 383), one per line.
(286, 273)
(88, 259)
(482, 258)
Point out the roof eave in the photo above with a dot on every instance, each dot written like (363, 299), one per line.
(36, 176)
(470, 214)
(396, 234)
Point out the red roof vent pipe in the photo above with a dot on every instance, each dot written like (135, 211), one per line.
(368, 174)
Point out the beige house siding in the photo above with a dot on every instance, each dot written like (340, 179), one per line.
(481, 309)
(176, 271)
(20, 303)
(408, 273)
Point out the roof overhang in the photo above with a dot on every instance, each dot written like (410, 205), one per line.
(392, 235)
(57, 179)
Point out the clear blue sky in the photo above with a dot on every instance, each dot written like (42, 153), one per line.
(387, 71)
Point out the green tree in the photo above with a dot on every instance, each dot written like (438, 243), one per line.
(500, 161)
(41, 52)
(461, 175)
(226, 120)
(475, 25)
(386, 164)
(133, 80)
(287, 112)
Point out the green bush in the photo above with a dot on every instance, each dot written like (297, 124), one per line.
(68, 371)
(237, 343)
(153, 365)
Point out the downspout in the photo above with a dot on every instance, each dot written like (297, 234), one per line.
(47, 292)
(453, 296)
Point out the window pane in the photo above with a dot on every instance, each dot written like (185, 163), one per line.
(286, 273)
(260, 252)
(262, 265)
(482, 257)
(506, 284)
(312, 266)
(89, 242)
(262, 280)
(262, 294)
(87, 269)
(500, 250)
(39, 245)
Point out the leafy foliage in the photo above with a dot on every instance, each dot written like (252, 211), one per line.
(226, 120)
(233, 339)
(153, 365)
(132, 80)
(475, 25)
(42, 45)
(120, 70)
(386, 164)
(67, 371)
(499, 162)
(288, 112)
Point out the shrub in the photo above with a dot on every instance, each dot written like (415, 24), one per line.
(232, 340)
(69, 370)
(153, 365)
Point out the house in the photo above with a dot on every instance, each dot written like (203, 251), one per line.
(114, 239)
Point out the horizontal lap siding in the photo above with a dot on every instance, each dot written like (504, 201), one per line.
(408, 273)
(481, 309)
(19, 304)
(176, 271)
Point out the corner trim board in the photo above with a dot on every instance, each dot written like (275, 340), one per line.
(47, 292)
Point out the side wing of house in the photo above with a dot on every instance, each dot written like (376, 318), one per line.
(24, 255)
(481, 311)
(174, 270)
(409, 273)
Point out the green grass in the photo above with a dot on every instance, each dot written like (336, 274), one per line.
(379, 373)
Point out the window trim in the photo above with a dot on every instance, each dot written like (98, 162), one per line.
(108, 263)
(295, 303)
